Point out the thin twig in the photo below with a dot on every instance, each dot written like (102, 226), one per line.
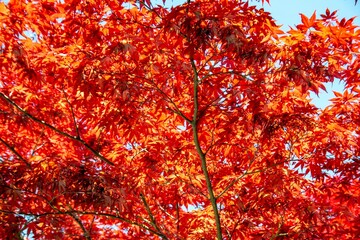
(15, 152)
(73, 114)
(238, 178)
(250, 173)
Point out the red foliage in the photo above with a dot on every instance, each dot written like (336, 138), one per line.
(129, 121)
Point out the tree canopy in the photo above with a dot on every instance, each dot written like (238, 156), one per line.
(126, 120)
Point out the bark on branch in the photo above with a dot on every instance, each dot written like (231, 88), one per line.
(201, 153)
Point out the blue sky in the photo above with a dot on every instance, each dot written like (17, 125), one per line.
(286, 13)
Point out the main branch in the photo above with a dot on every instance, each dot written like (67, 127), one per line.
(202, 154)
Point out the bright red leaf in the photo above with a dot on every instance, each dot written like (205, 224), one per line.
(121, 120)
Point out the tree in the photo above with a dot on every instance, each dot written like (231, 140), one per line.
(127, 120)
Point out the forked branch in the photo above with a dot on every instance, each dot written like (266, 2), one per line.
(201, 153)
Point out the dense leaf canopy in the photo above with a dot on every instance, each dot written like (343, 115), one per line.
(126, 120)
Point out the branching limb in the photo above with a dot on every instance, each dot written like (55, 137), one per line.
(278, 232)
(79, 222)
(144, 227)
(201, 154)
(151, 216)
(78, 139)
(237, 179)
(176, 110)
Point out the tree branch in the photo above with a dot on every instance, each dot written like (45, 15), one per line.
(151, 216)
(15, 152)
(79, 222)
(237, 179)
(202, 155)
(250, 173)
(85, 213)
(78, 139)
(177, 110)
